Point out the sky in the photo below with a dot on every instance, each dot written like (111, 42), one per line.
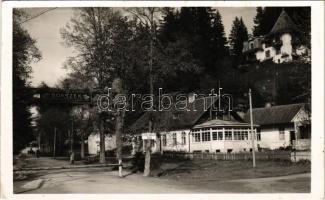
(45, 29)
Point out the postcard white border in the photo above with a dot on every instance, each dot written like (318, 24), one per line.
(317, 180)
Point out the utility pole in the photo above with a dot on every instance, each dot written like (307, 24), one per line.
(54, 141)
(252, 127)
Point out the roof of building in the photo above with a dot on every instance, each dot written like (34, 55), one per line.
(172, 119)
(222, 123)
(275, 115)
(283, 24)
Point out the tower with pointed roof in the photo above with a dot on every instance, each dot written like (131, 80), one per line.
(277, 45)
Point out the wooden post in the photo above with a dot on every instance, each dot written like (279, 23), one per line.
(252, 128)
(120, 168)
(71, 145)
(54, 142)
(82, 148)
(296, 140)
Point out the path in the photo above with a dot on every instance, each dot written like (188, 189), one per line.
(104, 180)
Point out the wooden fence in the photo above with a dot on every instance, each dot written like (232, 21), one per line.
(270, 155)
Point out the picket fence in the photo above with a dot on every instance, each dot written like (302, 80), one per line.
(269, 155)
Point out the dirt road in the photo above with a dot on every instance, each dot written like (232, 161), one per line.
(105, 180)
(102, 181)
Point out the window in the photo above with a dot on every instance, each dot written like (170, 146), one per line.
(197, 137)
(217, 134)
(183, 138)
(164, 140)
(229, 150)
(252, 45)
(220, 136)
(278, 51)
(228, 135)
(206, 136)
(206, 151)
(235, 135)
(246, 135)
(241, 135)
(267, 53)
(174, 139)
(281, 133)
(214, 136)
(258, 136)
(250, 134)
(152, 143)
(218, 151)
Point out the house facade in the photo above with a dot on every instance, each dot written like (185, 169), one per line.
(279, 45)
(283, 126)
(199, 130)
(93, 143)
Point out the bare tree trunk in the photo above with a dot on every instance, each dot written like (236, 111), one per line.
(54, 142)
(71, 147)
(117, 87)
(147, 142)
(39, 140)
(118, 134)
(102, 159)
(82, 147)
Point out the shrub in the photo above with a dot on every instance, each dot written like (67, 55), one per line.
(303, 162)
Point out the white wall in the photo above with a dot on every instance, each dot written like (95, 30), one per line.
(93, 142)
(270, 137)
(286, 44)
(179, 146)
(223, 145)
(261, 55)
(286, 48)
(211, 146)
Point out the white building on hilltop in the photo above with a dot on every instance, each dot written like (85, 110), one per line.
(279, 45)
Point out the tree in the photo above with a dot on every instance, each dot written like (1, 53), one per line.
(218, 38)
(146, 17)
(169, 25)
(24, 53)
(53, 123)
(109, 46)
(258, 28)
(238, 35)
(92, 32)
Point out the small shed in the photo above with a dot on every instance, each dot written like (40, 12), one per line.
(93, 143)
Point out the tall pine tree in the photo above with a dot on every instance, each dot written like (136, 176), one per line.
(258, 28)
(238, 35)
(218, 38)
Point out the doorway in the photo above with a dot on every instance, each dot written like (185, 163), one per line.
(292, 137)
